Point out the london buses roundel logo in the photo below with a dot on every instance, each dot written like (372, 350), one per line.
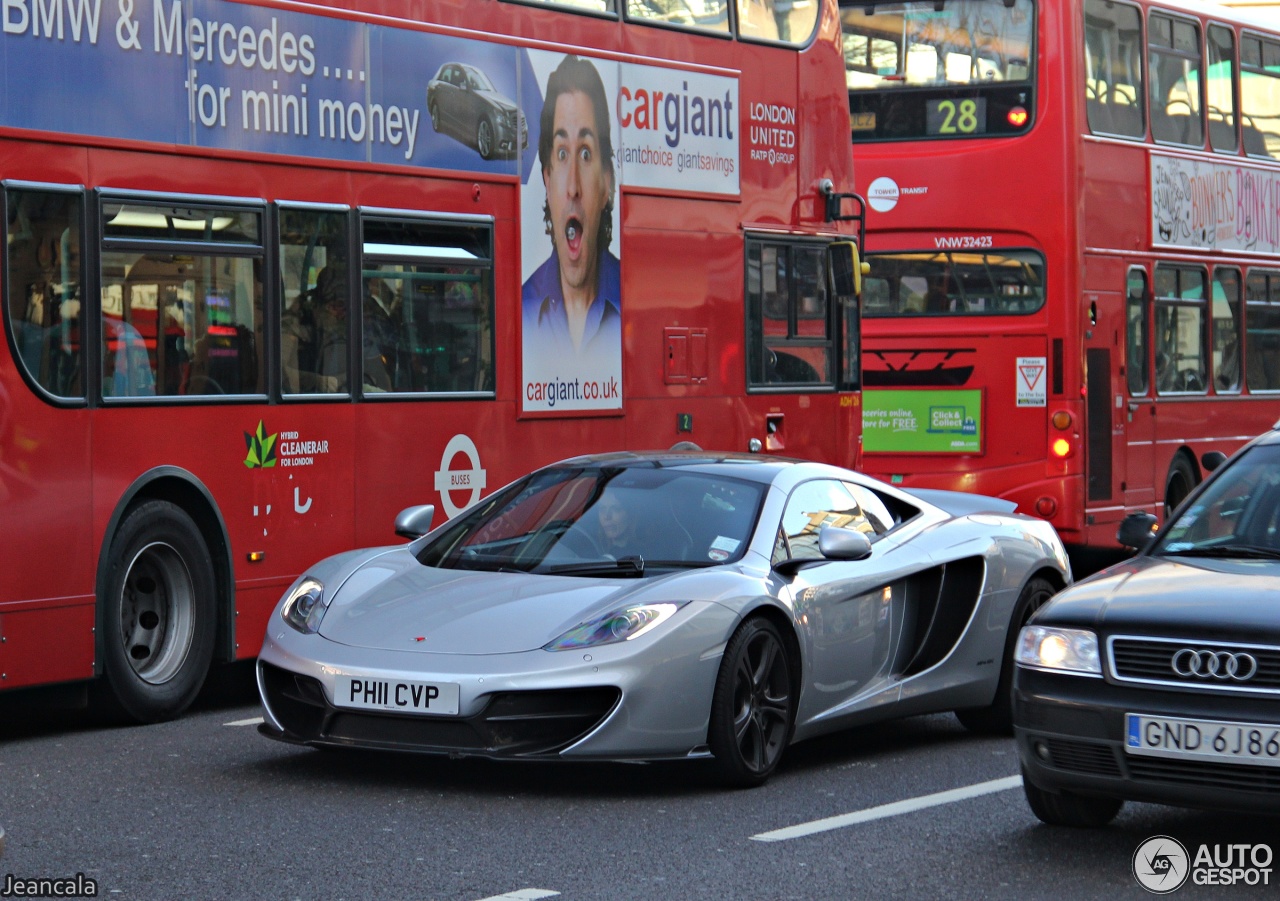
(882, 194)
(470, 481)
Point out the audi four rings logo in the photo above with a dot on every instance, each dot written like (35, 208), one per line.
(1225, 666)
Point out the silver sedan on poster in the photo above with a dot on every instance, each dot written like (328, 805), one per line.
(658, 606)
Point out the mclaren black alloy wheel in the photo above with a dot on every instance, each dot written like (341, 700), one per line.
(1067, 808)
(158, 612)
(754, 706)
(998, 718)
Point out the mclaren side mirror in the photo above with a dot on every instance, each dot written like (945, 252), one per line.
(837, 543)
(834, 543)
(414, 522)
(1137, 530)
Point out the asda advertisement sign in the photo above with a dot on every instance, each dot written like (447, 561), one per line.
(922, 421)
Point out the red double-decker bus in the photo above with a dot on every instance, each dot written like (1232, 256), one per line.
(1075, 290)
(275, 270)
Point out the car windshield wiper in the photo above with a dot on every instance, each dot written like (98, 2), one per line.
(1251, 551)
(625, 567)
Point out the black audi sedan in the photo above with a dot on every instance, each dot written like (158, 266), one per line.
(1158, 679)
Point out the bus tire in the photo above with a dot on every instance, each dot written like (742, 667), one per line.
(1182, 478)
(158, 614)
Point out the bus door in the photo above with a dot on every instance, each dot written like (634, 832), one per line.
(1105, 457)
(1138, 444)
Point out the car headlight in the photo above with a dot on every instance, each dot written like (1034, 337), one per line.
(305, 605)
(622, 624)
(1061, 650)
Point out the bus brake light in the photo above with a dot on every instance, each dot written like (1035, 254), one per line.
(1060, 448)
(1017, 117)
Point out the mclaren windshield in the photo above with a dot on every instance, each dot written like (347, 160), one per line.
(603, 521)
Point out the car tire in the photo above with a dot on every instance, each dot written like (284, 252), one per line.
(997, 719)
(157, 613)
(1068, 808)
(433, 111)
(485, 137)
(753, 708)
(1182, 478)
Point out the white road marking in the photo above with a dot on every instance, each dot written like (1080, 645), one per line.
(524, 894)
(252, 722)
(890, 810)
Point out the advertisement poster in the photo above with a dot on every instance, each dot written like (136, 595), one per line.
(922, 421)
(1214, 205)
(599, 125)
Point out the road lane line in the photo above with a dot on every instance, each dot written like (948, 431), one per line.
(890, 810)
(524, 894)
(250, 722)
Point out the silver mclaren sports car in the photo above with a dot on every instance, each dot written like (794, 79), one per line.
(658, 606)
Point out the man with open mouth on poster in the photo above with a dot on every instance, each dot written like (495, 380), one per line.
(572, 340)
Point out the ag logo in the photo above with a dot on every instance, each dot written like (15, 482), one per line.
(1161, 864)
(469, 480)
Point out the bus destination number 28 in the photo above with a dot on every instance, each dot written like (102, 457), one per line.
(956, 117)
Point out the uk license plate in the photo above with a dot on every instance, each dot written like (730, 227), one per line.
(396, 695)
(1212, 740)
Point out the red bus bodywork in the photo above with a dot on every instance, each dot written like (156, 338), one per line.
(1061, 432)
(71, 470)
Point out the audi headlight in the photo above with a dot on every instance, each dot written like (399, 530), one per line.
(1061, 650)
(305, 605)
(622, 624)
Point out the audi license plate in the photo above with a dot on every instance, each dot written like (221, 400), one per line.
(398, 696)
(1216, 740)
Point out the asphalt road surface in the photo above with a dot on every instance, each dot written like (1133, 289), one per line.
(206, 808)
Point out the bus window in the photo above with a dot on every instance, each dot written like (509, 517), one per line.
(1221, 87)
(712, 15)
(1137, 329)
(1113, 69)
(313, 319)
(788, 314)
(791, 21)
(1181, 332)
(968, 63)
(1262, 330)
(42, 266)
(1259, 87)
(1226, 330)
(595, 6)
(1174, 65)
(427, 306)
(996, 283)
(181, 300)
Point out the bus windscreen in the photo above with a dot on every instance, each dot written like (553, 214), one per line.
(938, 70)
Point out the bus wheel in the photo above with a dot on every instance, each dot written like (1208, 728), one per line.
(158, 612)
(1182, 478)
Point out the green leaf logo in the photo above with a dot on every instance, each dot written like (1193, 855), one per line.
(262, 448)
